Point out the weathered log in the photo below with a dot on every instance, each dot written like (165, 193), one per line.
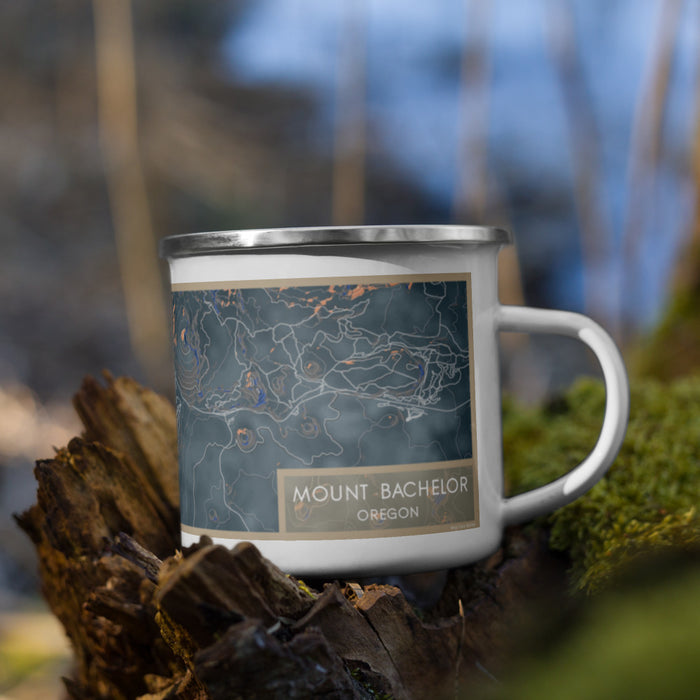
(148, 621)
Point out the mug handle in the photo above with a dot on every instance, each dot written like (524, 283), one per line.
(567, 488)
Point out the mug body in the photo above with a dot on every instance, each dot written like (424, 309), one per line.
(338, 396)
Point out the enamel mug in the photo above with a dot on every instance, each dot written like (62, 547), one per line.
(338, 395)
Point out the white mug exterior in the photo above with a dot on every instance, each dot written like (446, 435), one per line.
(424, 552)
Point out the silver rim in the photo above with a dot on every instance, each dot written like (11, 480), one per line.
(213, 242)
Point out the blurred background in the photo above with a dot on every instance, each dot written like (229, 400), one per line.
(576, 123)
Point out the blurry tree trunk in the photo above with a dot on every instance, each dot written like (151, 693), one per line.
(686, 278)
(584, 138)
(135, 240)
(471, 197)
(673, 348)
(475, 200)
(646, 144)
(350, 119)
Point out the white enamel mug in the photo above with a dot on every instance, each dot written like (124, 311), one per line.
(338, 395)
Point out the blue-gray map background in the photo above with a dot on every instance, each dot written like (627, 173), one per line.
(315, 376)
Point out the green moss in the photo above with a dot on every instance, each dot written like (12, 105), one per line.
(673, 349)
(304, 588)
(366, 687)
(648, 499)
(639, 641)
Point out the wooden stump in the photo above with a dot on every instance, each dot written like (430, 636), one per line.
(148, 621)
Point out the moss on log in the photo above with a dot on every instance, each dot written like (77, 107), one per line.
(149, 621)
(649, 499)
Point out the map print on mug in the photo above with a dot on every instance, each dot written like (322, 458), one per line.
(340, 408)
(338, 395)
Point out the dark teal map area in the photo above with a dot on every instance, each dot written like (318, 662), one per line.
(345, 375)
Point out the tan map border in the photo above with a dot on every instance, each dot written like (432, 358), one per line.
(357, 534)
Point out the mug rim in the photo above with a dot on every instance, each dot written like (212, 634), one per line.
(218, 242)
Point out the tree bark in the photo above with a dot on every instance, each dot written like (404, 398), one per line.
(149, 621)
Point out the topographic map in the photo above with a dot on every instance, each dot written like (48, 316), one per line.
(323, 376)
